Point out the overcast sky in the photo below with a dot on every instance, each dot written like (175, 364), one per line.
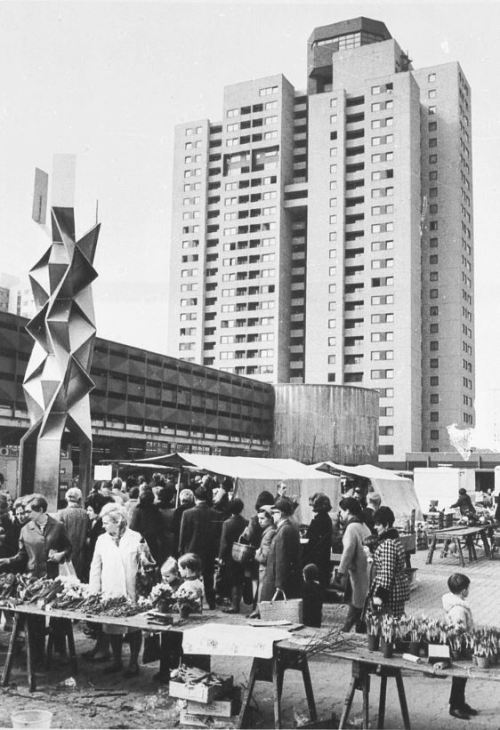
(108, 82)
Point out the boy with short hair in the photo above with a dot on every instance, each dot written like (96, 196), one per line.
(458, 611)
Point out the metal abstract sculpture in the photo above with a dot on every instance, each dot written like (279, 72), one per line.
(57, 382)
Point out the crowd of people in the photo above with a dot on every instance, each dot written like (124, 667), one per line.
(106, 540)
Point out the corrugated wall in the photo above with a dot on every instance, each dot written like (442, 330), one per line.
(318, 422)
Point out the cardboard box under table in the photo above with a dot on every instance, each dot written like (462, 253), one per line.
(270, 659)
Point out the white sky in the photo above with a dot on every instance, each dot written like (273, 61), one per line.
(108, 82)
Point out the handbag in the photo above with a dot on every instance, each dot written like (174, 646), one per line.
(289, 609)
(242, 552)
(148, 573)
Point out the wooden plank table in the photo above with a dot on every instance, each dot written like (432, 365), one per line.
(365, 663)
(457, 535)
(285, 655)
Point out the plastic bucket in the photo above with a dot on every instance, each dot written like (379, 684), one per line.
(32, 718)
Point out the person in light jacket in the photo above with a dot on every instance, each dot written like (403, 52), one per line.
(113, 571)
(353, 560)
(266, 522)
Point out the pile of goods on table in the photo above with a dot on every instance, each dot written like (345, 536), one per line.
(63, 594)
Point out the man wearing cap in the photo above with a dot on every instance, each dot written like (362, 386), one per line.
(283, 561)
(198, 535)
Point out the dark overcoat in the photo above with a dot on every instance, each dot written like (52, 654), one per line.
(283, 563)
(198, 533)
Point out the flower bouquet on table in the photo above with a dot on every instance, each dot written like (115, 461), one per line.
(372, 620)
(457, 639)
(389, 632)
(483, 642)
(162, 597)
(189, 598)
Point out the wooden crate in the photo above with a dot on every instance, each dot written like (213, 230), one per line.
(199, 692)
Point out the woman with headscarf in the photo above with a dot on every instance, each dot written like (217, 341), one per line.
(186, 501)
(319, 536)
(389, 589)
(353, 560)
(266, 522)
(253, 535)
(114, 571)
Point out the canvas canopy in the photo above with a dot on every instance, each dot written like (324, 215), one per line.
(396, 492)
(252, 475)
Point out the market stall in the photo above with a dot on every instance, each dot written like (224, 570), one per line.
(252, 475)
(396, 492)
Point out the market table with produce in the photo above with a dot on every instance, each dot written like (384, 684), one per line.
(210, 633)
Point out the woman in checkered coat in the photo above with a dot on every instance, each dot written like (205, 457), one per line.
(389, 588)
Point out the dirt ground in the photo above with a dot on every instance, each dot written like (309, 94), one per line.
(95, 700)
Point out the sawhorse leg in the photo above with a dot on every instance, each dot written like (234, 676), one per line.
(29, 658)
(432, 547)
(360, 680)
(381, 703)
(402, 700)
(258, 666)
(460, 551)
(16, 626)
(273, 670)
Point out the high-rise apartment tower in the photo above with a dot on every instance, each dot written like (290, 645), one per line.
(327, 236)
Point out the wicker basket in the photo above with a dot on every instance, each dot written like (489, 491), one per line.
(289, 609)
(242, 553)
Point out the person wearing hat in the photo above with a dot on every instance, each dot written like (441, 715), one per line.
(374, 501)
(283, 561)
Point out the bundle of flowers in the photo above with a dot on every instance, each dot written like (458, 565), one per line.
(72, 595)
(189, 596)
(389, 628)
(162, 596)
(484, 642)
(372, 623)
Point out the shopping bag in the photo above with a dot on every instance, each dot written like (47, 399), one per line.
(241, 552)
(289, 609)
(66, 569)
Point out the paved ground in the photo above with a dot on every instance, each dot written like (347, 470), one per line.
(100, 701)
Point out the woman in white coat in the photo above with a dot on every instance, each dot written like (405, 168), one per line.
(113, 571)
(353, 560)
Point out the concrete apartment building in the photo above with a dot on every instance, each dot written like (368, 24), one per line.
(327, 236)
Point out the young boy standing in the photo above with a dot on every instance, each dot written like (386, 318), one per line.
(458, 611)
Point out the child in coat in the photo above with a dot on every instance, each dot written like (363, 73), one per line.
(312, 596)
(458, 611)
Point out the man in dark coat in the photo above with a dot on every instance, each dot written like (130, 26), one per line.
(197, 535)
(233, 571)
(283, 560)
